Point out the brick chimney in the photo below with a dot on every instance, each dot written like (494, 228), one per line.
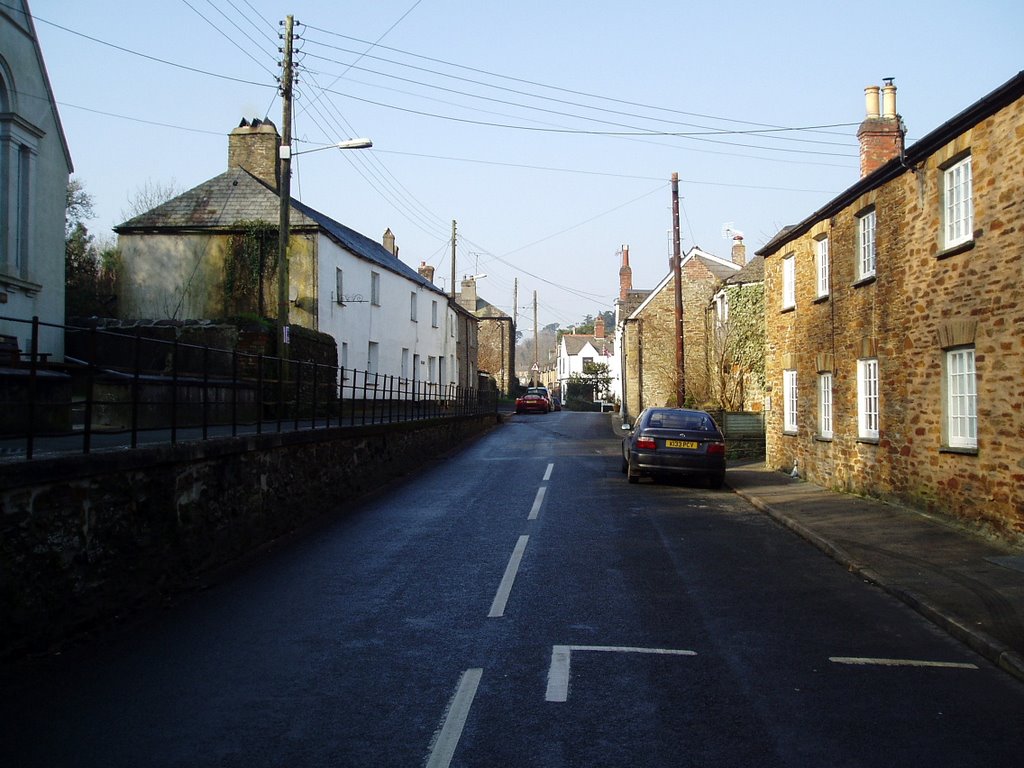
(599, 327)
(739, 250)
(425, 270)
(625, 275)
(881, 133)
(254, 146)
(389, 242)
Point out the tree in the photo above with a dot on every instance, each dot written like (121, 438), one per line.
(149, 196)
(89, 271)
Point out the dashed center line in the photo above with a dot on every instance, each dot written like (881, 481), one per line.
(535, 510)
(547, 473)
(505, 588)
(442, 749)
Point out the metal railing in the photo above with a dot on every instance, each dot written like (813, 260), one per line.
(120, 389)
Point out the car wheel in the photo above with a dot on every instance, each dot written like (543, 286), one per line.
(716, 480)
(632, 476)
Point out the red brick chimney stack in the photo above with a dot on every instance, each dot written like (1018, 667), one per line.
(625, 275)
(599, 327)
(881, 133)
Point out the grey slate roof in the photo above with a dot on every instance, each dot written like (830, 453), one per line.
(753, 272)
(237, 195)
(218, 203)
(574, 343)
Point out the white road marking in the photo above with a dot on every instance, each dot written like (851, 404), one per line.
(561, 657)
(864, 662)
(505, 588)
(535, 510)
(442, 749)
(547, 474)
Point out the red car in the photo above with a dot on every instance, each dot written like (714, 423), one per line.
(536, 400)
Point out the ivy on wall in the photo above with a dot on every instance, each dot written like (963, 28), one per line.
(248, 264)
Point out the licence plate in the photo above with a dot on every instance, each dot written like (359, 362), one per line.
(681, 444)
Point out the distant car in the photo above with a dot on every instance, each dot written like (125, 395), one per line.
(535, 400)
(666, 442)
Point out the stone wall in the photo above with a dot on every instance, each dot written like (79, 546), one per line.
(86, 537)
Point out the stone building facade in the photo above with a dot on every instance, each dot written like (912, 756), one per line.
(496, 337)
(895, 370)
(647, 338)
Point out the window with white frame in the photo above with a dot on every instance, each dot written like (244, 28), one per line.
(405, 362)
(825, 405)
(412, 306)
(789, 401)
(821, 266)
(375, 289)
(433, 314)
(866, 244)
(867, 398)
(961, 399)
(958, 203)
(789, 282)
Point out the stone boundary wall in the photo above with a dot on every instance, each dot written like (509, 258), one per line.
(87, 537)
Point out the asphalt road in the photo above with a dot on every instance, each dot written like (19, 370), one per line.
(519, 604)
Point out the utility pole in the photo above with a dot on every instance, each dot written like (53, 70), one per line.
(453, 261)
(536, 338)
(677, 260)
(284, 191)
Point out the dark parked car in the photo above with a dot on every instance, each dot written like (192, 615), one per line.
(667, 442)
(536, 400)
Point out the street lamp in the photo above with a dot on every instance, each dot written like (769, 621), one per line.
(285, 156)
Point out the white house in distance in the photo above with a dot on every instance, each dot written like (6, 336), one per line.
(577, 350)
(177, 260)
(34, 168)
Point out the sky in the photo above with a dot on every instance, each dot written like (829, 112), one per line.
(548, 130)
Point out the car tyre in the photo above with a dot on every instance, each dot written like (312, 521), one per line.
(632, 476)
(716, 480)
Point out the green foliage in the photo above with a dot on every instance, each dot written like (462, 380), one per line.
(89, 273)
(250, 259)
(746, 337)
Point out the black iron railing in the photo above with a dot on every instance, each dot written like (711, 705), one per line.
(123, 388)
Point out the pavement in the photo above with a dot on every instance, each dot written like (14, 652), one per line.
(968, 584)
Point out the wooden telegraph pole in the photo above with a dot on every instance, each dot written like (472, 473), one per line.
(677, 259)
(284, 190)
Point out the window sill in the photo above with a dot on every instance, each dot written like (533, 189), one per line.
(789, 433)
(868, 440)
(26, 287)
(822, 439)
(784, 310)
(960, 451)
(865, 281)
(822, 299)
(956, 250)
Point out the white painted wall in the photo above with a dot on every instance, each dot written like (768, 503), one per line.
(357, 320)
(34, 170)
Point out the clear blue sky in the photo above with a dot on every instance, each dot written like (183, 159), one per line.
(501, 115)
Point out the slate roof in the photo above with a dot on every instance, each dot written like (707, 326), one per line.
(237, 195)
(753, 272)
(575, 342)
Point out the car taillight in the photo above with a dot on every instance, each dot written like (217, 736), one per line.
(646, 444)
(716, 449)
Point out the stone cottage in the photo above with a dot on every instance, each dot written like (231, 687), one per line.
(895, 319)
